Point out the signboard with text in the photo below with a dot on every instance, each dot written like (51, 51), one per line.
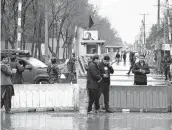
(166, 47)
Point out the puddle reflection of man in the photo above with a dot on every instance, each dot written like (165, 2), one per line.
(98, 123)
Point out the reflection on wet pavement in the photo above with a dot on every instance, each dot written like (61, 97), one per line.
(74, 121)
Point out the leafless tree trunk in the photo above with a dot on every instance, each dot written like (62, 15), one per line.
(25, 6)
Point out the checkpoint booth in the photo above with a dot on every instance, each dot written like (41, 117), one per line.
(87, 44)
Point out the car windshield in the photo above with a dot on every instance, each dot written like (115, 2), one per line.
(36, 63)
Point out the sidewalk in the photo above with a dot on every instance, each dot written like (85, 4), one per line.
(120, 76)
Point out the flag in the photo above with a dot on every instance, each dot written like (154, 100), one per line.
(90, 22)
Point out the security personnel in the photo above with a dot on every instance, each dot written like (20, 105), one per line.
(53, 71)
(71, 68)
(166, 65)
(105, 70)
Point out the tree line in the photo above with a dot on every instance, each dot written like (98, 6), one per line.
(63, 16)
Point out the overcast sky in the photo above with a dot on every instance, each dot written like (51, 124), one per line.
(124, 15)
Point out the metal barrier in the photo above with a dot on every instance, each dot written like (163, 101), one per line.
(40, 97)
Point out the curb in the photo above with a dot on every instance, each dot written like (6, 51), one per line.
(22, 110)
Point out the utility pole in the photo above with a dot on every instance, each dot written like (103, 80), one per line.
(158, 44)
(19, 30)
(144, 30)
(144, 23)
(46, 34)
(169, 26)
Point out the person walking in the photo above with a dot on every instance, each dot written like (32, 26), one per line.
(53, 71)
(117, 57)
(166, 65)
(7, 90)
(17, 78)
(124, 57)
(140, 69)
(132, 62)
(93, 82)
(105, 70)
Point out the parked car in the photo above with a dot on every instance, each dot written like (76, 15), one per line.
(35, 70)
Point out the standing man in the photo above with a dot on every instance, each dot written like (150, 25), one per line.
(7, 90)
(166, 66)
(140, 69)
(105, 70)
(93, 80)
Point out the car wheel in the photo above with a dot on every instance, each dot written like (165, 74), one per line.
(42, 82)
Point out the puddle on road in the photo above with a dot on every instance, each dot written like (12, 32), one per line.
(74, 121)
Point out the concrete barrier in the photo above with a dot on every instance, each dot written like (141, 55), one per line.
(66, 97)
(136, 98)
(132, 98)
(41, 97)
(170, 95)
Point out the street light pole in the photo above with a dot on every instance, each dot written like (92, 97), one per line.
(19, 25)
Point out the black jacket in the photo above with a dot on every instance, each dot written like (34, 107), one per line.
(93, 76)
(138, 76)
(102, 71)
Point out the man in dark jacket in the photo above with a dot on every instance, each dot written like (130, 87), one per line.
(117, 57)
(105, 70)
(124, 57)
(93, 80)
(17, 78)
(140, 69)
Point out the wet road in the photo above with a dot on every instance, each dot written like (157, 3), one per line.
(74, 121)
